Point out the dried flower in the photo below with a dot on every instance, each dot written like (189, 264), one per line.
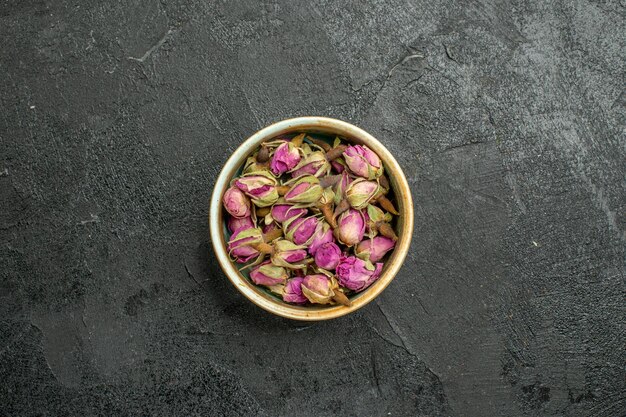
(363, 162)
(341, 186)
(285, 158)
(323, 234)
(260, 187)
(292, 293)
(268, 274)
(360, 192)
(242, 244)
(305, 190)
(283, 212)
(236, 203)
(350, 227)
(289, 255)
(300, 230)
(327, 256)
(240, 223)
(356, 274)
(374, 249)
(317, 288)
(314, 163)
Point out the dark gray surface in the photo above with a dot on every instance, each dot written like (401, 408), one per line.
(507, 117)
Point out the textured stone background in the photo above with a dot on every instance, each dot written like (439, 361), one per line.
(508, 118)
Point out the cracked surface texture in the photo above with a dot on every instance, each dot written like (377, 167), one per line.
(508, 119)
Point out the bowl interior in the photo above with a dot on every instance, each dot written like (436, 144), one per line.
(330, 128)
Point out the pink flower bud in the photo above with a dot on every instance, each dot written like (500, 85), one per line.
(317, 288)
(285, 158)
(268, 274)
(260, 187)
(323, 234)
(235, 224)
(283, 212)
(241, 244)
(236, 203)
(314, 163)
(293, 291)
(360, 192)
(305, 190)
(300, 230)
(269, 228)
(350, 227)
(356, 274)
(363, 162)
(338, 166)
(289, 255)
(341, 187)
(327, 256)
(374, 249)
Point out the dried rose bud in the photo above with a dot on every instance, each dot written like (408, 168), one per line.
(269, 228)
(305, 190)
(374, 249)
(292, 293)
(341, 187)
(328, 196)
(252, 165)
(317, 288)
(375, 214)
(300, 230)
(327, 256)
(236, 203)
(283, 212)
(260, 187)
(268, 274)
(373, 217)
(323, 234)
(356, 274)
(350, 227)
(363, 162)
(360, 192)
(338, 165)
(285, 158)
(242, 242)
(289, 255)
(235, 224)
(314, 163)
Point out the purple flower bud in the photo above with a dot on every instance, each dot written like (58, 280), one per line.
(317, 288)
(293, 291)
(323, 234)
(338, 166)
(236, 203)
(341, 187)
(235, 223)
(283, 212)
(356, 274)
(300, 230)
(374, 249)
(289, 255)
(327, 256)
(360, 192)
(363, 162)
(285, 158)
(269, 228)
(241, 244)
(268, 274)
(350, 227)
(314, 163)
(305, 190)
(260, 187)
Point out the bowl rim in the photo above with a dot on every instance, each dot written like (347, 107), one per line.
(249, 290)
